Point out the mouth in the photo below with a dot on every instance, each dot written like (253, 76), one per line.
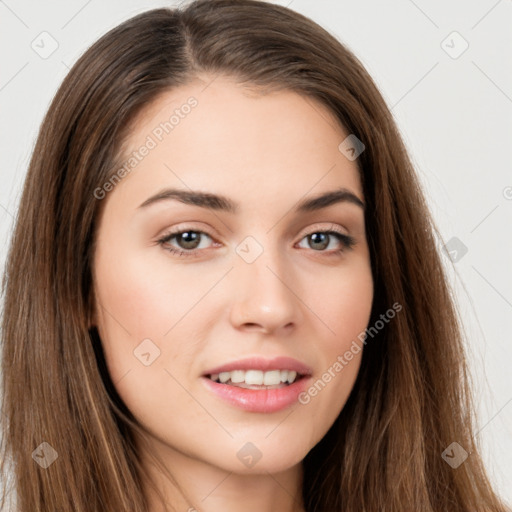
(259, 385)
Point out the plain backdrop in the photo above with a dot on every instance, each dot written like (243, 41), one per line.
(444, 68)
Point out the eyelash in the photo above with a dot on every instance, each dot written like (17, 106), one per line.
(347, 242)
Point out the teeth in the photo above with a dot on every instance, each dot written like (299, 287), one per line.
(223, 377)
(237, 376)
(256, 377)
(291, 376)
(272, 378)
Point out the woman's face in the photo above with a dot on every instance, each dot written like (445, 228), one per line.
(257, 293)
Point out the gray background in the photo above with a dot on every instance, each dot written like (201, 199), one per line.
(453, 106)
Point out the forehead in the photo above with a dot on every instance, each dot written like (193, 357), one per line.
(215, 133)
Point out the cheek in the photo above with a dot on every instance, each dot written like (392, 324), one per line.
(344, 305)
(142, 309)
(147, 299)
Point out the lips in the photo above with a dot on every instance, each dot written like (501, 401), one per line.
(259, 385)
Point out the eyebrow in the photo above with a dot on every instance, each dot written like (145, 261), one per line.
(222, 203)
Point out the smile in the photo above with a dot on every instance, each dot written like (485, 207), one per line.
(259, 385)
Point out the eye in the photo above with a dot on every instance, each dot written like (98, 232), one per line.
(188, 240)
(320, 240)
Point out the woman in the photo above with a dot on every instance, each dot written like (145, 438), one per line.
(145, 371)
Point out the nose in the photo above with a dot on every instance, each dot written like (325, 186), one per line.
(265, 298)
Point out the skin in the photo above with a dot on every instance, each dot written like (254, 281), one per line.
(297, 299)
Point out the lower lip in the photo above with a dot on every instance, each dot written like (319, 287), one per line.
(258, 400)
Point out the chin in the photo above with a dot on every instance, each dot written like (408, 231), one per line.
(260, 455)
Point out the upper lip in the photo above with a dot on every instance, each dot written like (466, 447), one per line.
(258, 363)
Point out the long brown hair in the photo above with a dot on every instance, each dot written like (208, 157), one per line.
(411, 399)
